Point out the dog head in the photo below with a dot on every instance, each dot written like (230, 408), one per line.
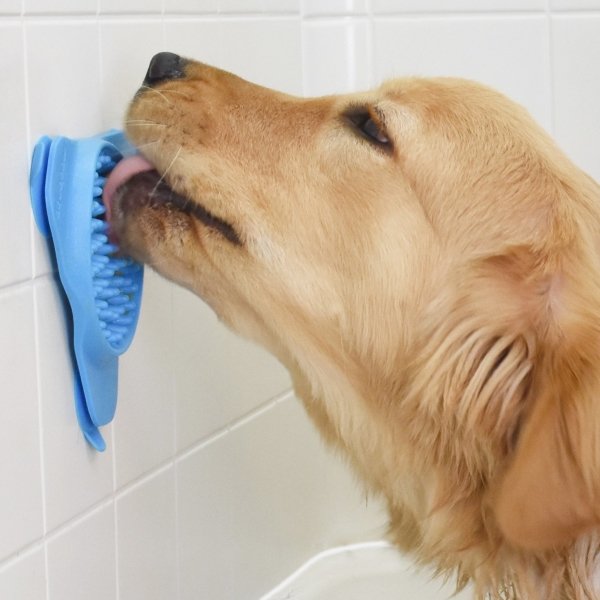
(426, 241)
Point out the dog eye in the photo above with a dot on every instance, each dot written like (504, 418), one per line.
(373, 130)
(364, 123)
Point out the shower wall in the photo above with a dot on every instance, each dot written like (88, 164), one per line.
(214, 485)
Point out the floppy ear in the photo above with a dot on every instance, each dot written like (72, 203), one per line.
(550, 492)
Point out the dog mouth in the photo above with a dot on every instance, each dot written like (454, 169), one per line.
(135, 182)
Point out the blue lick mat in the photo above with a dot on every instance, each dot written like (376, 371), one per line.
(103, 289)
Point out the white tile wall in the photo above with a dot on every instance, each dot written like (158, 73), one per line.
(191, 6)
(60, 7)
(146, 538)
(15, 239)
(576, 87)
(455, 6)
(11, 7)
(21, 508)
(214, 484)
(144, 429)
(507, 52)
(336, 56)
(25, 578)
(267, 51)
(63, 87)
(208, 375)
(82, 559)
(131, 6)
(571, 5)
(220, 500)
(334, 7)
(124, 50)
(75, 477)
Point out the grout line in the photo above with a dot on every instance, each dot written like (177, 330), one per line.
(234, 425)
(304, 57)
(173, 399)
(32, 225)
(21, 284)
(67, 18)
(33, 265)
(142, 480)
(54, 534)
(550, 50)
(36, 325)
(370, 46)
(143, 17)
(116, 531)
(332, 16)
(254, 16)
(351, 63)
(12, 559)
(177, 536)
(38, 382)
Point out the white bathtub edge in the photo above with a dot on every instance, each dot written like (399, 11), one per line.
(313, 560)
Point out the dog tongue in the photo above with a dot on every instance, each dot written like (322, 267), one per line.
(123, 172)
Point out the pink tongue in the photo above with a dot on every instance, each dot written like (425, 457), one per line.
(124, 171)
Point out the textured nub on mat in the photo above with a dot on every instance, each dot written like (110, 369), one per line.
(114, 288)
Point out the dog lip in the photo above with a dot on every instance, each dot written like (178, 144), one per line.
(147, 188)
(123, 172)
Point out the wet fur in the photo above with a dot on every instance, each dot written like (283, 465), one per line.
(437, 301)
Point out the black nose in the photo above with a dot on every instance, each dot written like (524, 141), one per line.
(164, 66)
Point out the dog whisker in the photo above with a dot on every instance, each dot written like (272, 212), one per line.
(143, 122)
(147, 144)
(179, 93)
(161, 94)
(175, 157)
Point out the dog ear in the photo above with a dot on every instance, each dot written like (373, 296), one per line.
(550, 492)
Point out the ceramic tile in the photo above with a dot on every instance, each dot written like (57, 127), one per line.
(11, 7)
(218, 376)
(144, 425)
(21, 504)
(272, 52)
(566, 5)
(257, 502)
(282, 6)
(76, 476)
(241, 6)
(81, 561)
(507, 53)
(121, 77)
(146, 539)
(61, 7)
(64, 91)
(15, 211)
(131, 6)
(576, 88)
(191, 6)
(25, 578)
(443, 6)
(334, 7)
(195, 39)
(333, 57)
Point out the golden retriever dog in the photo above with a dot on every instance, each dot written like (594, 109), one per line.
(426, 263)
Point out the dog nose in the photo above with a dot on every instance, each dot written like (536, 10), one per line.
(164, 66)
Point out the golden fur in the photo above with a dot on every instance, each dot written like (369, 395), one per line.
(435, 295)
